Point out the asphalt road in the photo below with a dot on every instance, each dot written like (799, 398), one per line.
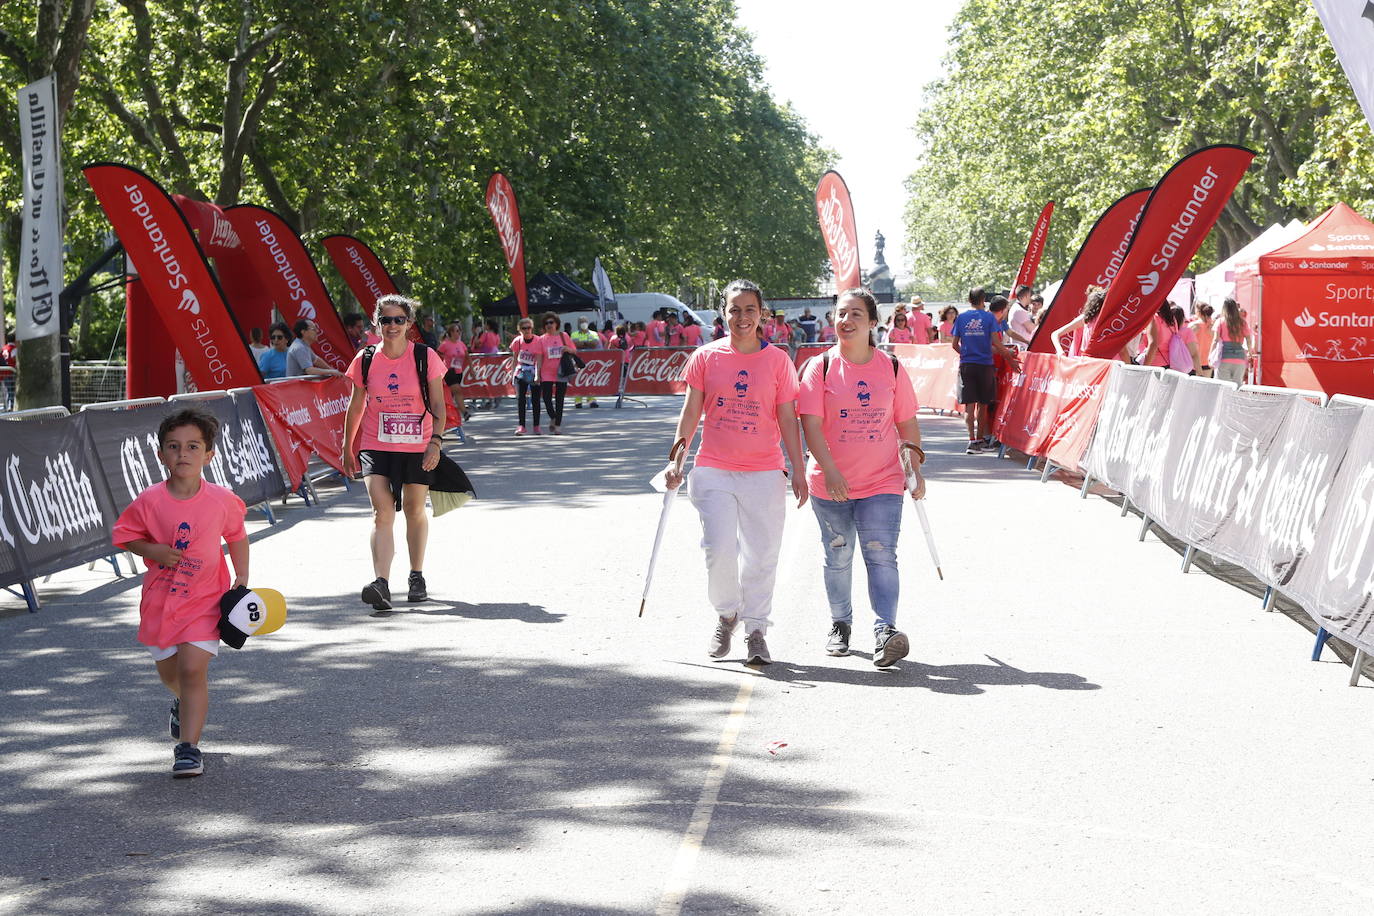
(1080, 728)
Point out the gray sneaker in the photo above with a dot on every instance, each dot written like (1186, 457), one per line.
(758, 649)
(838, 643)
(720, 640)
(890, 645)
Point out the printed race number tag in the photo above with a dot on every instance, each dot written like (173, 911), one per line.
(401, 428)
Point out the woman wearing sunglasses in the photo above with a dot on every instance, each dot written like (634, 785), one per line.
(551, 382)
(393, 439)
(901, 332)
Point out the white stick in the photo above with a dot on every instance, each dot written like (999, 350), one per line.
(678, 456)
(921, 511)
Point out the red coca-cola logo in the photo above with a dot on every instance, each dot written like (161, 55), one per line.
(659, 366)
(597, 373)
(494, 372)
(501, 204)
(844, 251)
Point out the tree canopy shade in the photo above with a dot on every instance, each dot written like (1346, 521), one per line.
(634, 130)
(1081, 100)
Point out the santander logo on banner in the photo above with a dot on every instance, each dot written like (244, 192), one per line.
(159, 242)
(1035, 248)
(1177, 217)
(835, 211)
(362, 270)
(505, 215)
(280, 258)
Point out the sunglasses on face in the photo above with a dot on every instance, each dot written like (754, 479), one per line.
(278, 336)
(550, 324)
(392, 319)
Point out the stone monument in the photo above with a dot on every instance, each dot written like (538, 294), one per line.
(880, 278)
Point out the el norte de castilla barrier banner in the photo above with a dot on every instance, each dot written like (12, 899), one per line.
(1271, 482)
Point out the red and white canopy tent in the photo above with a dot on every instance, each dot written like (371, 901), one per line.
(1315, 300)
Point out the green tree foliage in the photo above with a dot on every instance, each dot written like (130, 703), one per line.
(636, 130)
(1081, 101)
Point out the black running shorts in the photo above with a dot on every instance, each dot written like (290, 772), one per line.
(977, 384)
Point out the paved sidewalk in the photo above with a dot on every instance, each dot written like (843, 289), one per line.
(1080, 729)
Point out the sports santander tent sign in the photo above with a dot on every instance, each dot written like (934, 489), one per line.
(1317, 310)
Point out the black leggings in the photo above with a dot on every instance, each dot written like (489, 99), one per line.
(554, 392)
(521, 388)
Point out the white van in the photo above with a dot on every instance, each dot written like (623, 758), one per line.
(641, 307)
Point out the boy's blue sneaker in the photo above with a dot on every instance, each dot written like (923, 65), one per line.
(174, 721)
(186, 761)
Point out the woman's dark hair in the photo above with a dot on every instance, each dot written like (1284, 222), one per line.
(1235, 325)
(404, 303)
(620, 330)
(1204, 310)
(1166, 312)
(1093, 304)
(547, 317)
(279, 326)
(687, 319)
(255, 335)
(947, 309)
(1179, 319)
(191, 416)
(609, 326)
(491, 324)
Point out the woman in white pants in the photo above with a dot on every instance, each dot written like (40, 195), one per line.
(747, 390)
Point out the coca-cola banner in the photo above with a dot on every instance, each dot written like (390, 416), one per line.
(55, 509)
(1097, 262)
(126, 443)
(657, 370)
(1335, 583)
(505, 215)
(836, 214)
(1035, 248)
(805, 352)
(305, 418)
(492, 375)
(1177, 217)
(934, 373)
(170, 264)
(361, 270)
(285, 268)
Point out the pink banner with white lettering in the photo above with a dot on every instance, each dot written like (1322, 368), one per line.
(934, 372)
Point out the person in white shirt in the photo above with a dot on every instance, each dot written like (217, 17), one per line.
(1020, 322)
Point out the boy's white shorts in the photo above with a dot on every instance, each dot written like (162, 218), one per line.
(158, 653)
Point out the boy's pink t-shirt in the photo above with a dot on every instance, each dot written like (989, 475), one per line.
(488, 342)
(828, 333)
(638, 338)
(181, 604)
(742, 394)
(654, 332)
(528, 352)
(778, 333)
(394, 418)
(691, 335)
(554, 345)
(919, 323)
(673, 335)
(860, 407)
(900, 335)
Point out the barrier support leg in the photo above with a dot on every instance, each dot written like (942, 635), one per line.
(1144, 526)
(1001, 451)
(1355, 667)
(1087, 485)
(303, 491)
(348, 486)
(1030, 463)
(1268, 604)
(1125, 505)
(266, 509)
(1049, 469)
(113, 560)
(1322, 637)
(1188, 558)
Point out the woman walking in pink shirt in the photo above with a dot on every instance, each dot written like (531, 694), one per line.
(747, 389)
(858, 411)
(552, 383)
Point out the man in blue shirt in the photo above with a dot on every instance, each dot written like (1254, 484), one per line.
(976, 337)
(272, 363)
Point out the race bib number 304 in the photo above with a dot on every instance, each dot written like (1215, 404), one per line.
(401, 428)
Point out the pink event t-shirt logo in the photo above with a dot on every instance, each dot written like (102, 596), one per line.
(844, 251)
(503, 215)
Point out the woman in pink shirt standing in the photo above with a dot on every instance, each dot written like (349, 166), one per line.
(858, 410)
(900, 333)
(551, 382)
(691, 332)
(947, 316)
(747, 389)
(391, 436)
(528, 351)
(455, 354)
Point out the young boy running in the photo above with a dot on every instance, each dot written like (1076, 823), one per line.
(176, 526)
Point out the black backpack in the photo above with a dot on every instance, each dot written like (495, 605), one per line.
(421, 369)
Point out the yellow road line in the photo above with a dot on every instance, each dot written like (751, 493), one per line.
(684, 864)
